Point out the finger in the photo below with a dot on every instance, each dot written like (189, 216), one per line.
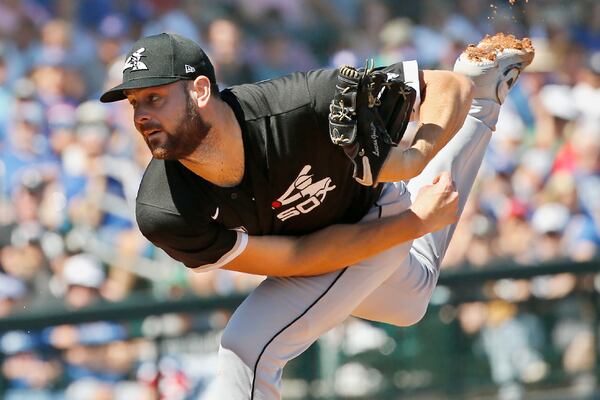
(436, 179)
(445, 178)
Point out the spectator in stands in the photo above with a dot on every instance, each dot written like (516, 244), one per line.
(29, 375)
(509, 342)
(84, 277)
(397, 41)
(168, 16)
(26, 148)
(5, 96)
(227, 48)
(12, 292)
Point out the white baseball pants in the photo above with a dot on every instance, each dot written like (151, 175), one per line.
(282, 317)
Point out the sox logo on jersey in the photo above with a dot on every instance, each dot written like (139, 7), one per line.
(303, 188)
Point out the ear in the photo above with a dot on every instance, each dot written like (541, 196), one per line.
(201, 91)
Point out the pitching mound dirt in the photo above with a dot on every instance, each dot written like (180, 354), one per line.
(490, 46)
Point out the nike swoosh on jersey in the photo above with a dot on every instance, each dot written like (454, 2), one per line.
(216, 214)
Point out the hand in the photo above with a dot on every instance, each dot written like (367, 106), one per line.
(436, 205)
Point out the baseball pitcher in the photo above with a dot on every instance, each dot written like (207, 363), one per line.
(300, 179)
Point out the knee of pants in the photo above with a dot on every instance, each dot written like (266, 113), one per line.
(242, 343)
(410, 316)
(412, 308)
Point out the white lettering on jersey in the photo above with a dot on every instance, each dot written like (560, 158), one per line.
(303, 195)
(134, 61)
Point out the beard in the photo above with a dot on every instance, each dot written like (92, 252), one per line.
(184, 139)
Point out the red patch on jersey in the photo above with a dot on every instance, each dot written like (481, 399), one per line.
(276, 204)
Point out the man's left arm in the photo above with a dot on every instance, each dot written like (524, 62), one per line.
(445, 102)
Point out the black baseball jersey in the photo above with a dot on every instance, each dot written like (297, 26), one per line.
(295, 181)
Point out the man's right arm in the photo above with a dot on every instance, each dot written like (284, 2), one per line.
(338, 246)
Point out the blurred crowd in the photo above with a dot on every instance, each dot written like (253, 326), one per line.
(70, 166)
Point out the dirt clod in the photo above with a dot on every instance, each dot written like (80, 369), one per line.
(490, 46)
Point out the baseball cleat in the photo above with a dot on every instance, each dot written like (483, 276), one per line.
(494, 64)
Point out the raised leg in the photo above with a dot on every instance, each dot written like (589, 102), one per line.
(494, 65)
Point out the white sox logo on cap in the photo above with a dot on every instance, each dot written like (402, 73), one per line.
(134, 61)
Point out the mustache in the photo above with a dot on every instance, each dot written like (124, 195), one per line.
(149, 126)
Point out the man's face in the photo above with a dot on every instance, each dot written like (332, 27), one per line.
(168, 120)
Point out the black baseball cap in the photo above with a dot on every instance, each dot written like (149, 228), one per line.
(159, 60)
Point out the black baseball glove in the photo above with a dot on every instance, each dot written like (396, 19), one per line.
(368, 115)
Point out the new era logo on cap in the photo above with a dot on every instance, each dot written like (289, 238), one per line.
(189, 69)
